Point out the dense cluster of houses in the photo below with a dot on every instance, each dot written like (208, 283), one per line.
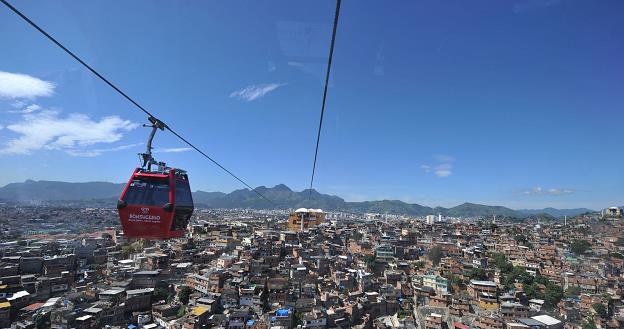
(355, 271)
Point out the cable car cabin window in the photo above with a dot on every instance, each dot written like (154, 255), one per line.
(183, 194)
(147, 192)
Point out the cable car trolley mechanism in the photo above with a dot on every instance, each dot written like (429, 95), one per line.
(155, 204)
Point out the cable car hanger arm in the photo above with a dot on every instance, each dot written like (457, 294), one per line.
(148, 160)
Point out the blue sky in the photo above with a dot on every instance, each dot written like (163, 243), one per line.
(515, 103)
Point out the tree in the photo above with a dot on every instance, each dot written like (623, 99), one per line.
(542, 280)
(572, 291)
(115, 299)
(455, 281)
(477, 274)
(579, 247)
(42, 320)
(600, 309)
(501, 262)
(161, 293)
(403, 314)
(552, 296)
(181, 311)
(589, 324)
(435, 255)
(419, 264)
(516, 274)
(127, 250)
(531, 291)
(184, 294)
(297, 319)
(357, 236)
(369, 260)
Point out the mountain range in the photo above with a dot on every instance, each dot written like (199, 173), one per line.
(103, 193)
(556, 212)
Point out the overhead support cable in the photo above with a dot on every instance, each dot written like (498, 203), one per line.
(329, 64)
(151, 117)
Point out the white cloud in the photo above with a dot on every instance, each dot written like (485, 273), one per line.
(1, 127)
(538, 190)
(559, 191)
(31, 108)
(28, 109)
(443, 170)
(96, 152)
(173, 150)
(15, 85)
(72, 134)
(535, 190)
(18, 104)
(254, 92)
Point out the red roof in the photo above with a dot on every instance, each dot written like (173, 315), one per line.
(32, 307)
(459, 325)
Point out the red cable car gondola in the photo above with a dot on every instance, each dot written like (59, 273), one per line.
(155, 204)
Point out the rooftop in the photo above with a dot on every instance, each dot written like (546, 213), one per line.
(483, 283)
(546, 319)
(199, 310)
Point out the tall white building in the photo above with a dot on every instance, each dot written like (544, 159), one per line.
(612, 212)
(430, 219)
